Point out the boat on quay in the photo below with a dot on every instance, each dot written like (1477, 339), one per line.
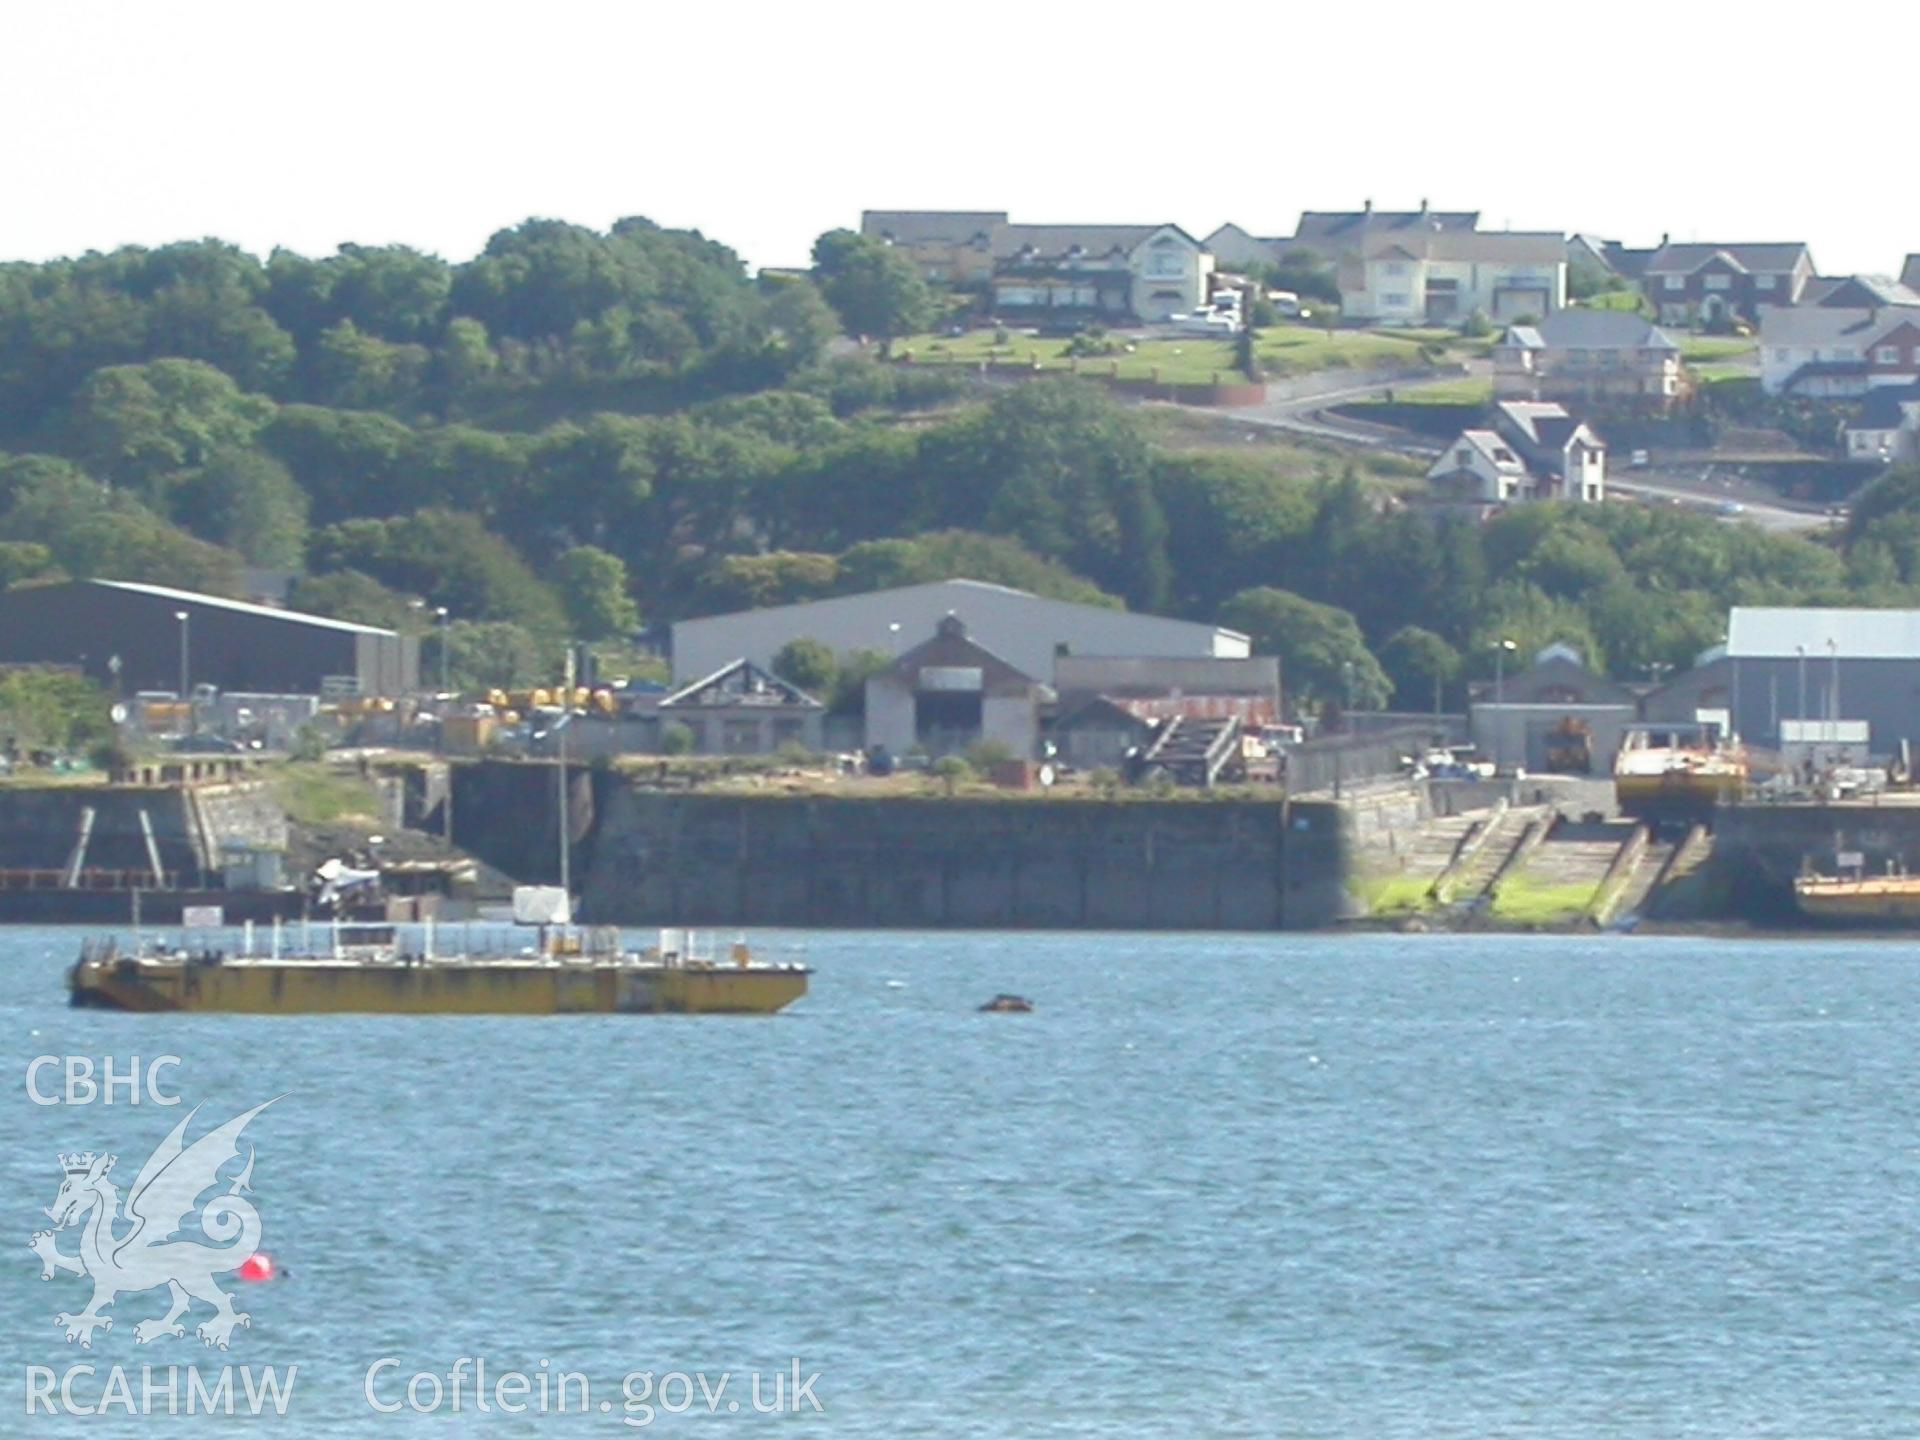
(1677, 773)
(378, 969)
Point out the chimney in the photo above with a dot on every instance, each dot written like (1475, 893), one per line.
(1664, 237)
(1423, 206)
(1366, 207)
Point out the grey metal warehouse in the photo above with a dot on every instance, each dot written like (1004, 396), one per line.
(1025, 630)
(1825, 667)
(228, 643)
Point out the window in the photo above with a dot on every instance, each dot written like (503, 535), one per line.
(1764, 282)
(1166, 264)
(1395, 300)
(1719, 282)
(1395, 267)
(1674, 282)
(1887, 355)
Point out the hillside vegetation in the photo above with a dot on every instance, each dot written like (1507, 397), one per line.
(577, 432)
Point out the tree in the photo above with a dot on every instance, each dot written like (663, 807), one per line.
(350, 595)
(1322, 655)
(52, 710)
(593, 588)
(875, 289)
(139, 426)
(961, 555)
(808, 663)
(22, 560)
(1058, 465)
(802, 321)
(1420, 665)
(486, 655)
(247, 502)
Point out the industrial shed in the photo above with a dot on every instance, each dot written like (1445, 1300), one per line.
(1796, 669)
(1025, 630)
(100, 625)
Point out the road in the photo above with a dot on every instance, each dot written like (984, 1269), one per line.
(1717, 489)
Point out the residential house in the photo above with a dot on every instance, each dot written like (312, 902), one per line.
(951, 247)
(741, 709)
(950, 692)
(1595, 358)
(1567, 459)
(1607, 258)
(1440, 276)
(1818, 351)
(1858, 292)
(1332, 234)
(1887, 429)
(1480, 468)
(1708, 284)
(1146, 273)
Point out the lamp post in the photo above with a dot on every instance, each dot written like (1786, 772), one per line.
(1833, 698)
(186, 695)
(1800, 665)
(1500, 653)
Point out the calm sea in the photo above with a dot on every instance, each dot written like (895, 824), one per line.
(1217, 1185)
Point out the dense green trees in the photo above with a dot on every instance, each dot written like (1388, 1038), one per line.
(579, 427)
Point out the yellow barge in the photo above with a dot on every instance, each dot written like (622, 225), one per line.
(367, 970)
(1860, 900)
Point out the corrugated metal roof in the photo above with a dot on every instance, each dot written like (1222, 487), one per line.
(240, 607)
(1777, 632)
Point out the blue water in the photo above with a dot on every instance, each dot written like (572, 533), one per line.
(1357, 1186)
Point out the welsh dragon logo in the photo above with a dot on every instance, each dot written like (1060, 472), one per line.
(144, 1248)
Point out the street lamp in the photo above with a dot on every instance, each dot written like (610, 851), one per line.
(440, 618)
(1833, 699)
(186, 694)
(1500, 653)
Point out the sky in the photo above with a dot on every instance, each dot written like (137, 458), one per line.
(305, 125)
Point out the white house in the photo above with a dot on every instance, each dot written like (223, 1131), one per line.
(1139, 272)
(1440, 277)
(1536, 451)
(1480, 467)
(1817, 350)
(1887, 429)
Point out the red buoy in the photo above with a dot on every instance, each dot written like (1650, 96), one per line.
(257, 1266)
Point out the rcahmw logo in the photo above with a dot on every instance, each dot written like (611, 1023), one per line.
(170, 1233)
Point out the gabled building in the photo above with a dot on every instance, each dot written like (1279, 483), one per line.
(1442, 276)
(1858, 292)
(1146, 273)
(1480, 468)
(1692, 284)
(1887, 429)
(741, 709)
(1566, 458)
(950, 692)
(1332, 234)
(1822, 351)
(951, 247)
(1594, 358)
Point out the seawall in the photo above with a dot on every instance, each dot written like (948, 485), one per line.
(650, 857)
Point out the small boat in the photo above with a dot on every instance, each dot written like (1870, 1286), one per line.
(1004, 1004)
(1677, 772)
(1890, 899)
(374, 968)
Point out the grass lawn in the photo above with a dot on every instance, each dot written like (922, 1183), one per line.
(1467, 390)
(1285, 349)
(1630, 301)
(1195, 359)
(1521, 901)
(1396, 895)
(317, 794)
(1696, 349)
